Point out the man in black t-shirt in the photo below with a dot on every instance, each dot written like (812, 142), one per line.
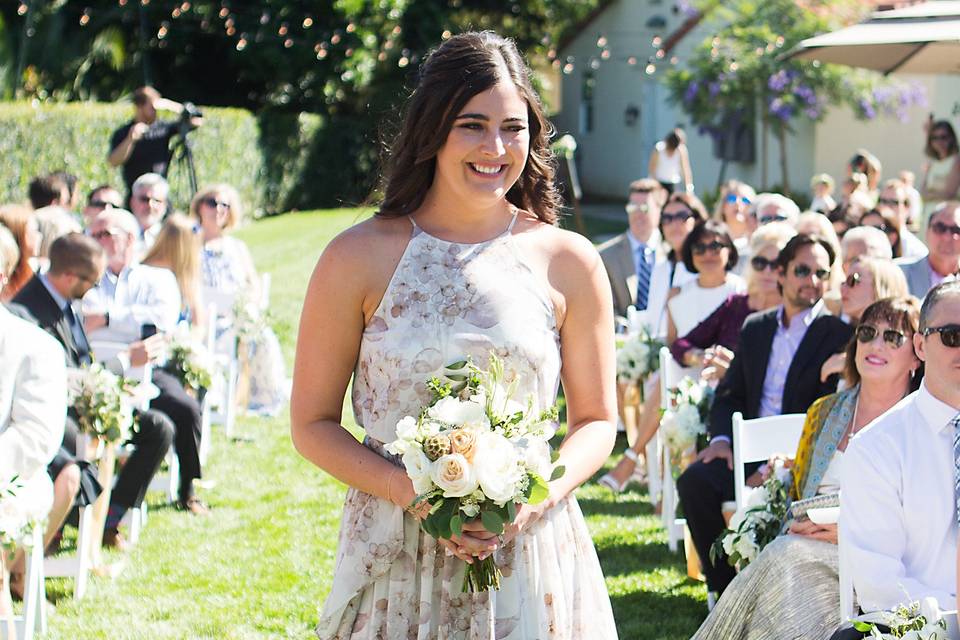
(143, 145)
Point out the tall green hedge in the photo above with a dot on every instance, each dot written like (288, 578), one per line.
(264, 158)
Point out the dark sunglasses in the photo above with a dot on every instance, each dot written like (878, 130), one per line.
(949, 334)
(146, 199)
(774, 218)
(101, 204)
(803, 271)
(892, 202)
(213, 203)
(732, 198)
(682, 216)
(867, 333)
(852, 280)
(759, 263)
(700, 248)
(942, 229)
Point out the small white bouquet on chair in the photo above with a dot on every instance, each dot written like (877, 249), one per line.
(190, 362)
(918, 620)
(758, 523)
(638, 356)
(11, 517)
(474, 453)
(684, 424)
(104, 403)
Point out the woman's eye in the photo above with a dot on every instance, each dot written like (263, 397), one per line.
(473, 126)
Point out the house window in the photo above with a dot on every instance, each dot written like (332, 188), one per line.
(657, 23)
(587, 90)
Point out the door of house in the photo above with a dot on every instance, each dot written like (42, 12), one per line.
(652, 95)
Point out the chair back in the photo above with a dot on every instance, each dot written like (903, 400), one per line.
(757, 439)
(671, 373)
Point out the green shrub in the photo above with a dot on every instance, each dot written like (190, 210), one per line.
(264, 159)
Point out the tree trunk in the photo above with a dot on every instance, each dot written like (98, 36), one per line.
(764, 132)
(784, 175)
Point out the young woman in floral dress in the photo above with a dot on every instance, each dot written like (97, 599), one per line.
(463, 258)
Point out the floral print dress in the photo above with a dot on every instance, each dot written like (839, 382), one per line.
(392, 581)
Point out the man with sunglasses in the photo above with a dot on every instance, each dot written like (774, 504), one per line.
(774, 207)
(101, 197)
(775, 370)
(898, 517)
(893, 200)
(630, 257)
(943, 261)
(148, 203)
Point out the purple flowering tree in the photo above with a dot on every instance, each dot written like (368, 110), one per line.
(740, 70)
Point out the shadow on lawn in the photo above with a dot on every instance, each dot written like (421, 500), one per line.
(629, 506)
(657, 614)
(622, 558)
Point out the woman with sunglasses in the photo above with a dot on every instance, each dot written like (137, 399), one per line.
(733, 209)
(792, 588)
(883, 220)
(941, 173)
(227, 267)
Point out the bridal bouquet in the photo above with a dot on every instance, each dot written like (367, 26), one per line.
(916, 621)
(638, 355)
(103, 402)
(190, 363)
(474, 453)
(686, 421)
(758, 523)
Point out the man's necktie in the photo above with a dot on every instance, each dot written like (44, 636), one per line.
(956, 462)
(79, 337)
(643, 279)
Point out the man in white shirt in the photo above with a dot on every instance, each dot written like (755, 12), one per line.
(130, 301)
(149, 199)
(898, 520)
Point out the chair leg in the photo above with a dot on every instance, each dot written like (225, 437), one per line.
(34, 593)
(230, 411)
(173, 483)
(84, 545)
(205, 432)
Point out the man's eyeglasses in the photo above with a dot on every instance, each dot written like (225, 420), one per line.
(100, 235)
(151, 200)
(890, 202)
(630, 208)
(803, 271)
(213, 203)
(852, 280)
(700, 248)
(733, 198)
(942, 229)
(867, 333)
(759, 263)
(949, 334)
(774, 218)
(681, 216)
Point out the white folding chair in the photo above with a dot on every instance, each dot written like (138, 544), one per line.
(33, 619)
(671, 374)
(847, 597)
(757, 439)
(220, 310)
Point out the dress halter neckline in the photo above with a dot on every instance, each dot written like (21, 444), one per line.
(505, 232)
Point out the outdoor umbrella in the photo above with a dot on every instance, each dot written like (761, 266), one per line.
(924, 38)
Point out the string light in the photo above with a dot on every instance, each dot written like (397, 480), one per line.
(307, 22)
(85, 18)
(601, 42)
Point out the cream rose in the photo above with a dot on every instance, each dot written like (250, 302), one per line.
(498, 467)
(464, 442)
(418, 468)
(454, 475)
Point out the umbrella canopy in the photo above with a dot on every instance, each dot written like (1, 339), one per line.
(923, 38)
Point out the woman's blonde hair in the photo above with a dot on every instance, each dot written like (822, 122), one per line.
(177, 248)
(227, 192)
(773, 234)
(824, 228)
(888, 278)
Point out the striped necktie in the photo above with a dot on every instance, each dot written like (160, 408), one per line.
(643, 278)
(956, 461)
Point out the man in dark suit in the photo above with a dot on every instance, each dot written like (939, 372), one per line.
(76, 264)
(776, 370)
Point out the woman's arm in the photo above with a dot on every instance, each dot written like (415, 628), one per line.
(652, 164)
(671, 326)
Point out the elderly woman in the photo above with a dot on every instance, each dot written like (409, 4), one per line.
(712, 342)
(864, 241)
(227, 267)
(791, 590)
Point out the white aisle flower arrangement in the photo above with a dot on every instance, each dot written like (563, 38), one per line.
(758, 523)
(11, 518)
(103, 401)
(475, 453)
(638, 356)
(917, 620)
(190, 362)
(685, 423)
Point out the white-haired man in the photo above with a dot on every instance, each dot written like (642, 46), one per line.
(149, 199)
(943, 261)
(774, 207)
(864, 242)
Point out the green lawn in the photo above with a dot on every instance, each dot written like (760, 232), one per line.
(259, 567)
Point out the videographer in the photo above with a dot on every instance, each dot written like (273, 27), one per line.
(143, 145)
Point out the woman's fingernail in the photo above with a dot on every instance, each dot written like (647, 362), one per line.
(448, 552)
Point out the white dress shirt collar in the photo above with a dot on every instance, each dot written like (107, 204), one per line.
(653, 243)
(936, 413)
(807, 316)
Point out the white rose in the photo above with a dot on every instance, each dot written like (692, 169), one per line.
(757, 497)
(728, 543)
(498, 467)
(407, 428)
(696, 393)
(747, 548)
(463, 413)
(536, 456)
(418, 469)
(454, 475)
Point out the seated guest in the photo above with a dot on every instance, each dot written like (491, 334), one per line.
(33, 393)
(53, 222)
(884, 220)
(228, 267)
(822, 186)
(733, 209)
(774, 207)
(20, 221)
(711, 343)
(894, 200)
(101, 197)
(149, 199)
(128, 299)
(48, 190)
(708, 252)
(864, 241)
(73, 193)
(76, 263)
(792, 589)
(775, 370)
(630, 257)
(898, 514)
(817, 224)
(177, 248)
(869, 280)
(943, 261)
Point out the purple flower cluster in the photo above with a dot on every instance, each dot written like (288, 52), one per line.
(691, 91)
(780, 109)
(687, 8)
(893, 100)
(792, 96)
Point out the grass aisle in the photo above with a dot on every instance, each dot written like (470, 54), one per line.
(259, 566)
